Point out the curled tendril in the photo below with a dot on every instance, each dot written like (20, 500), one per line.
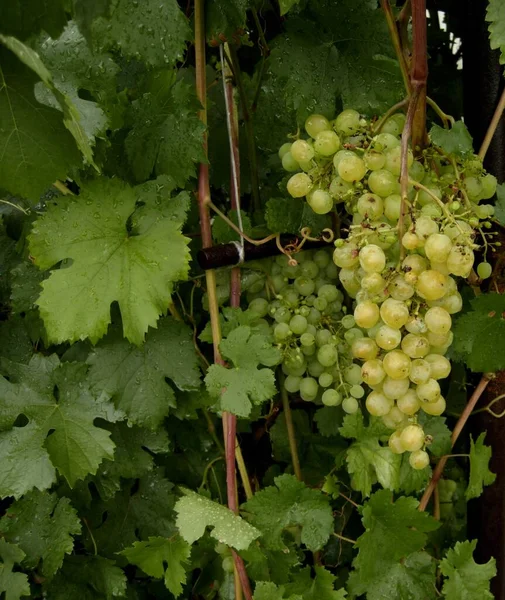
(327, 236)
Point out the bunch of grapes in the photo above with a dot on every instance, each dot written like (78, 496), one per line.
(400, 272)
(310, 327)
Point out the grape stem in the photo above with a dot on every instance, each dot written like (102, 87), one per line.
(439, 469)
(395, 38)
(345, 539)
(446, 119)
(488, 408)
(229, 421)
(492, 127)
(395, 108)
(288, 415)
(419, 72)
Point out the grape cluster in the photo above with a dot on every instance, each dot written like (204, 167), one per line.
(402, 281)
(310, 327)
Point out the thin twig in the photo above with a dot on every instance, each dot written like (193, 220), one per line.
(439, 469)
(447, 120)
(493, 126)
(290, 428)
(61, 187)
(395, 108)
(345, 539)
(395, 38)
(244, 476)
(237, 230)
(16, 206)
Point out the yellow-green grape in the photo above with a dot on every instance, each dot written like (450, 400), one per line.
(394, 124)
(460, 260)
(373, 372)
(394, 160)
(454, 230)
(420, 370)
(348, 122)
(302, 151)
(415, 264)
(372, 259)
(299, 185)
(388, 338)
(437, 247)
(484, 270)
(438, 320)
(320, 201)
(373, 283)
(385, 141)
(374, 160)
(292, 383)
(419, 460)
(331, 398)
(378, 404)
(370, 206)
(346, 255)
(351, 168)
(315, 124)
(366, 314)
(489, 185)
(340, 155)
(364, 349)
(426, 197)
(429, 391)
(395, 443)
(383, 183)
(416, 171)
(473, 187)
(416, 325)
(440, 367)
(412, 438)
(415, 346)
(289, 164)
(350, 405)
(431, 285)
(409, 403)
(340, 190)
(394, 313)
(400, 289)
(326, 143)
(395, 419)
(396, 364)
(392, 206)
(284, 149)
(395, 388)
(325, 380)
(435, 409)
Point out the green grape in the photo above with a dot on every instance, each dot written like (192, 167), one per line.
(220, 548)
(347, 122)
(315, 368)
(282, 315)
(323, 336)
(307, 339)
(309, 350)
(328, 292)
(327, 355)
(326, 143)
(382, 183)
(425, 198)
(350, 405)
(314, 317)
(353, 334)
(315, 124)
(352, 375)
(340, 189)
(348, 321)
(320, 201)
(357, 391)
(322, 258)
(484, 270)
(304, 285)
(416, 171)
(299, 185)
(259, 306)
(292, 384)
(302, 151)
(394, 125)
(489, 185)
(331, 271)
(331, 398)
(385, 141)
(291, 297)
(394, 160)
(291, 271)
(298, 324)
(289, 369)
(228, 564)
(282, 332)
(473, 187)
(320, 304)
(284, 149)
(374, 160)
(289, 164)
(325, 379)
(351, 168)
(370, 206)
(308, 388)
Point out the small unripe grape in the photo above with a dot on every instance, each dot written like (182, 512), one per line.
(395, 443)
(412, 438)
(429, 391)
(420, 371)
(320, 201)
(419, 460)
(394, 313)
(395, 388)
(308, 389)
(325, 380)
(299, 185)
(434, 409)
(327, 355)
(348, 122)
(396, 364)
(326, 143)
(315, 124)
(289, 164)
(437, 247)
(364, 349)
(292, 383)
(409, 403)
(383, 183)
(377, 404)
(284, 149)
(440, 367)
(302, 151)
(484, 270)
(366, 314)
(388, 338)
(431, 285)
(350, 405)
(372, 259)
(373, 372)
(351, 168)
(331, 398)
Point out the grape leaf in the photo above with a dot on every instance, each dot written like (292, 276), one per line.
(287, 5)
(290, 503)
(329, 420)
(222, 233)
(224, 17)
(195, 513)
(403, 526)
(71, 116)
(42, 525)
(59, 434)
(480, 475)
(412, 480)
(367, 460)
(456, 140)
(26, 280)
(270, 565)
(76, 71)
(496, 18)
(229, 318)
(289, 215)
(239, 387)
(479, 334)
(162, 558)
(22, 18)
(137, 269)
(499, 207)
(438, 430)
(166, 136)
(319, 587)
(36, 148)
(266, 590)
(466, 580)
(88, 578)
(14, 585)
(135, 377)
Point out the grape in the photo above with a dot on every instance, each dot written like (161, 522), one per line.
(282, 332)
(228, 564)
(331, 398)
(394, 124)
(291, 271)
(320, 201)
(429, 391)
(327, 355)
(372, 259)
(329, 292)
(308, 389)
(350, 405)
(394, 313)
(304, 286)
(431, 285)
(438, 247)
(412, 438)
(395, 419)
(325, 379)
(364, 349)
(434, 408)
(473, 187)
(460, 260)
(353, 374)
(346, 256)
(385, 141)
(291, 297)
(416, 171)
(298, 324)
(453, 230)
(377, 404)
(440, 367)
(400, 289)
(419, 460)
(420, 371)
(292, 383)
(340, 189)
(395, 388)
(351, 168)
(393, 160)
(357, 391)
(326, 143)
(424, 228)
(396, 364)
(299, 185)
(348, 122)
(302, 151)
(315, 368)
(373, 372)
(314, 316)
(310, 270)
(259, 306)
(370, 206)
(374, 160)
(284, 149)
(388, 338)
(321, 304)
(409, 403)
(383, 183)
(373, 283)
(424, 198)
(438, 320)
(289, 164)
(489, 185)
(415, 346)
(415, 263)
(416, 325)
(395, 443)
(392, 205)
(282, 315)
(323, 337)
(366, 314)
(315, 124)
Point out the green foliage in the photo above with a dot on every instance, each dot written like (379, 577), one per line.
(14, 585)
(238, 388)
(319, 587)
(465, 578)
(290, 215)
(496, 18)
(479, 334)
(480, 475)
(456, 140)
(499, 212)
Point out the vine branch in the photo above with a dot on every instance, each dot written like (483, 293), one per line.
(290, 428)
(493, 126)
